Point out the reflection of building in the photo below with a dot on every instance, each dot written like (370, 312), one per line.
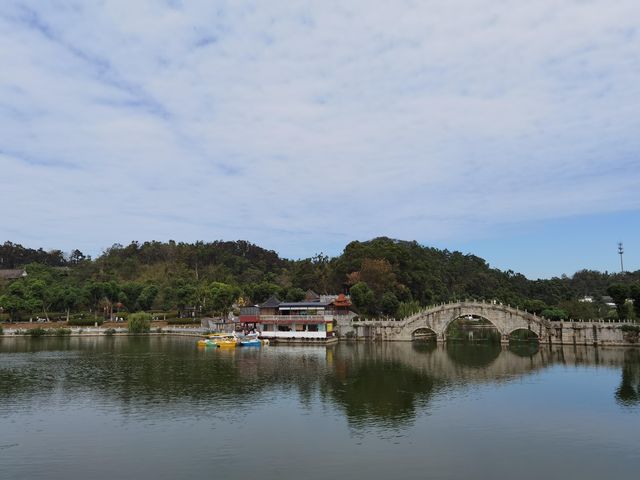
(312, 318)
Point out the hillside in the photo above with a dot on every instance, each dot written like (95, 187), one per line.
(385, 276)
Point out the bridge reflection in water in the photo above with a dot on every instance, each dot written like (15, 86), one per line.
(389, 382)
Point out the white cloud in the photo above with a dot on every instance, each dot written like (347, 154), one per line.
(303, 125)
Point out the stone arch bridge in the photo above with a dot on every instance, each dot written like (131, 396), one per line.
(437, 319)
(505, 318)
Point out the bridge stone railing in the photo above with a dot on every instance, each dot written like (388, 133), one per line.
(504, 317)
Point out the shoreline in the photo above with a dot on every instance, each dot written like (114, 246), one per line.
(296, 342)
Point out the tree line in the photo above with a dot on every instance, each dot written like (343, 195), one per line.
(385, 278)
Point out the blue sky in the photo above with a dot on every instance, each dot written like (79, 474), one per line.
(505, 129)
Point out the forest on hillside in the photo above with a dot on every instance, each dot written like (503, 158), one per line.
(385, 277)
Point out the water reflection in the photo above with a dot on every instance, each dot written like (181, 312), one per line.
(371, 388)
(628, 394)
(386, 384)
(524, 349)
(163, 409)
(479, 355)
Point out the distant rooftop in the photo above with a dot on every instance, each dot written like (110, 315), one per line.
(271, 302)
(12, 274)
(305, 304)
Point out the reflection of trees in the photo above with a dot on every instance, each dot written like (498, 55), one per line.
(628, 393)
(166, 373)
(524, 349)
(473, 355)
(377, 384)
(423, 347)
(384, 392)
(135, 371)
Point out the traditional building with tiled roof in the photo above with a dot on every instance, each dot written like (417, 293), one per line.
(311, 319)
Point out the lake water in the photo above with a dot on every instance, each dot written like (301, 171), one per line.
(158, 407)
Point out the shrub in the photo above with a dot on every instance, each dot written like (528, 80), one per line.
(61, 332)
(406, 309)
(139, 322)
(1, 330)
(554, 314)
(630, 333)
(183, 321)
(630, 328)
(110, 331)
(84, 322)
(36, 332)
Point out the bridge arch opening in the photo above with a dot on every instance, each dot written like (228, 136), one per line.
(424, 335)
(471, 328)
(523, 335)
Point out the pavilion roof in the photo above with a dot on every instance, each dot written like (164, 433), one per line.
(271, 302)
(342, 301)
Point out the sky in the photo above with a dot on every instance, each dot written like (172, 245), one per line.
(506, 129)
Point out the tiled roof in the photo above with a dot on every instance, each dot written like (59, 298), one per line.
(303, 304)
(272, 301)
(311, 296)
(12, 274)
(342, 301)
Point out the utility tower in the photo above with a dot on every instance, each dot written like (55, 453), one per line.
(620, 252)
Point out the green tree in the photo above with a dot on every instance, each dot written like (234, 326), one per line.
(389, 304)
(363, 298)
(535, 306)
(554, 314)
(148, 296)
(13, 304)
(634, 293)
(259, 292)
(44, 294)
(71, 298)
(111, 294)
(295, 294)
(76, 256)
(93, 292)
(184, 294)
(580, 310)
(221, 297)
(131, 291)
(619, 292)
(139, 322)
